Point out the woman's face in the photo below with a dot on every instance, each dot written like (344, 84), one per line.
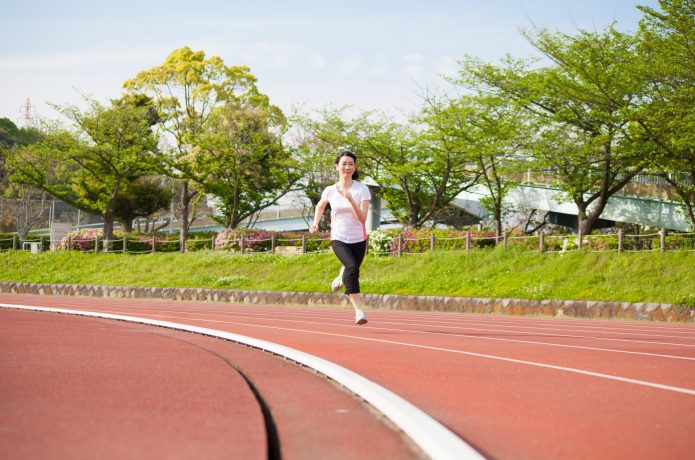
(346, 166)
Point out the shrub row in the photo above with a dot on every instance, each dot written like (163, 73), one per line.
(381, 241)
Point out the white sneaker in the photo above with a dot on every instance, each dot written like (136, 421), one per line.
(360, 318)
(338, 281)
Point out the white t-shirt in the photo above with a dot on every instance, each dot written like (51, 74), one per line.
(345, 226)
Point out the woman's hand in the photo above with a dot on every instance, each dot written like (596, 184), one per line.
(313, 228)
(343, 191)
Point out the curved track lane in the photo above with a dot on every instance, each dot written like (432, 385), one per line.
(85, 387)
(513, 387)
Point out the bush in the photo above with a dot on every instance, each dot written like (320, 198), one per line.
(415, 241)
(261, 240)
(83, 240)
(380, 241)
(6, 241)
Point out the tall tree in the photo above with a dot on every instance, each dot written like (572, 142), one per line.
(23, 206)
(581, 102)
(419, 174)
(238, 157)
(491, 134)
(186, 89)
(315, 143)
(89, 166)
(11, 136)
(666, 119)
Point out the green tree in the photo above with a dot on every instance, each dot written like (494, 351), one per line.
(10, 136)
(187, 88)
(419, 172)
(23, 206)
(666, 120)
(239, 158)
(316, 141)
(89, 166)
(492, 135)
(582, 104)
(141, 198)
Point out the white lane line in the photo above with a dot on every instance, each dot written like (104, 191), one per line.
(650, 342)
(462, 352)
(436, 441)
(229, 314)
(464, 321)
(494, 320)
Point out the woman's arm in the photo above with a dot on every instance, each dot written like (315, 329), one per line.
(318, 213)
(360, 210)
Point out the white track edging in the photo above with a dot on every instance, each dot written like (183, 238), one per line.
(437, 441)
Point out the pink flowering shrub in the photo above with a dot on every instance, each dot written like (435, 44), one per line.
(82, 240)
(261, 240)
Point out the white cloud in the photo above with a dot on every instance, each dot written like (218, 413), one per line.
(413, 58)
(413, 65)
(414, 71)
(75, 59)
(351, 65)
(378, 70)
(447, 66)
(269, 55)
(318, 61)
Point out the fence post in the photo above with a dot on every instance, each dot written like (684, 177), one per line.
(400, 245)
(242, 244)
(580, 237)
(468, 241)
(431, 242)
(272, 243)
(662, 240)
(303, 244)
(96, 244)
(153, 248)
(621, 237)
(213, 243)
(14, 242)
(541, 244)
(125, 244)
(504, 238)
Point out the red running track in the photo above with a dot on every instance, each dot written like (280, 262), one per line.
(513, 387)
(75, 387)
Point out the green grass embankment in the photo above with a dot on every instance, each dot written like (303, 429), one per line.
(606, 276)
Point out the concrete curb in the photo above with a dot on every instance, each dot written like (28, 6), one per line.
(556, 308)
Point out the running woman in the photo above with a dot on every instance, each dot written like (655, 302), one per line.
(349, 201)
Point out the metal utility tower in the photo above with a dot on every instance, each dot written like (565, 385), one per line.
(28, 110)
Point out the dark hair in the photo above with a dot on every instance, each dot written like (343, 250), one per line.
(347, 153)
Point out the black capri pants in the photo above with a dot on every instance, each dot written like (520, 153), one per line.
(351, 255)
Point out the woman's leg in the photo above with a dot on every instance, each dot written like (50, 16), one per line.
(351, 256)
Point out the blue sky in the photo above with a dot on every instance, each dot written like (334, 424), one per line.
(371, 54)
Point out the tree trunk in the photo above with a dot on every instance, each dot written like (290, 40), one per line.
(183, 219)
(585, 222)
(498, 225)
(108, 231)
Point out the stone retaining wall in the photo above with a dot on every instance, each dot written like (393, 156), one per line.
(556, 308)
